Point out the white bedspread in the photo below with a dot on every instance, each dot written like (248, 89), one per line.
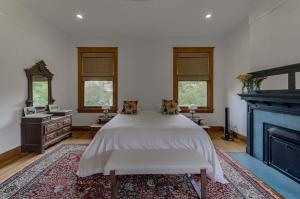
(148, 130)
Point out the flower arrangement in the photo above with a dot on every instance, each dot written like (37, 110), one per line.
(245, 79)
(257, 82)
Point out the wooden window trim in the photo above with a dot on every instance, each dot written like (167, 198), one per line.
(210, 82)
(80, 51)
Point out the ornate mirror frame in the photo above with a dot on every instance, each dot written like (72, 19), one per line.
(38, 69)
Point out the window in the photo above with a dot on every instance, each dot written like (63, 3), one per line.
(97, 79)
(193, 78)
(98, 93)
(192, 92)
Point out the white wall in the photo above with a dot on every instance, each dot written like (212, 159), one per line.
(270, 39)
(275, 33)
(24, 40)
(145, 68)
(237, 61)
(146, 72)
(275, 37)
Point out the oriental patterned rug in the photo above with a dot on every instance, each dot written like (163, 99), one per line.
(54, 176)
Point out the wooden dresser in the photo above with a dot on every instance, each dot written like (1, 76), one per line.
(40, 131)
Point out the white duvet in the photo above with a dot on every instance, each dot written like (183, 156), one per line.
(148, 130)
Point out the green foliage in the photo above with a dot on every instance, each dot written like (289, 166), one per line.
(192, 92)
(98, 93)
(258, 81)
(40, 93)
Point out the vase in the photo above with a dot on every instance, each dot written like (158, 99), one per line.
(244, 90)
(249, 89)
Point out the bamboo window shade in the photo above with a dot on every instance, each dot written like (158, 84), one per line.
(193, 66)
(97, 66)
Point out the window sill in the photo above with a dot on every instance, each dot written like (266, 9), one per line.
(94, 110)
(199, 110)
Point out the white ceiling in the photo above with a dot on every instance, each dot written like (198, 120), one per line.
(138, 18)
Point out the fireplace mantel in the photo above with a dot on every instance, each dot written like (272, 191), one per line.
(271, 101)
(282, 103)
(272, 98)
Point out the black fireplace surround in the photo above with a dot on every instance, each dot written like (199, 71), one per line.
(281, 150)
(281, 146)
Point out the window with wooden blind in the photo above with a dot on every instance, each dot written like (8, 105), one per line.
(97, 79)
(193, 78)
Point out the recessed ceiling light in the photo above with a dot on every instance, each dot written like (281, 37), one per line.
(208, 15)
(79, 16)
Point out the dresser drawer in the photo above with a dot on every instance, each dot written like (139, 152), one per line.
(51, 127)
(46, 119)
(60, 132)
(60, 124)
(67, 121)
(50, 137)
(66, 129)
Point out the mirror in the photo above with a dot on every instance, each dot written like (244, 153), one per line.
(39, 91)
(276, 82)
(39, 86)
(297, 80)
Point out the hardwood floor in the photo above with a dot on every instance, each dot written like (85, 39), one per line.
(9, 167)
(228, 146)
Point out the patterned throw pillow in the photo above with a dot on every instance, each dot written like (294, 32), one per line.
(169, 106)
(130, 107)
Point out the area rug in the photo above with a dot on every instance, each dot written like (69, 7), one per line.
(54, 176)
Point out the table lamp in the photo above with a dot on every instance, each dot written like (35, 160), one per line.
(105, 110)
(192, 108)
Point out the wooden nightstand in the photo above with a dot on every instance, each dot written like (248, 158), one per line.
(197, 120)
(94, 128)
(101, 121)
(205, 127)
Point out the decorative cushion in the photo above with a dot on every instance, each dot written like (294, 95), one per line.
(169, 106)
(130, 107)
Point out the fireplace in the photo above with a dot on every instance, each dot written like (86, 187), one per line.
(273, 123)
(281, 150)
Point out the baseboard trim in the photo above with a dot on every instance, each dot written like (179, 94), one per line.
(216, 128)
(232, 133)
(81, 128)
(10, 154)
(238, 136)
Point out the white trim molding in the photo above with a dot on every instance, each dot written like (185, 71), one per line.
(269, 7)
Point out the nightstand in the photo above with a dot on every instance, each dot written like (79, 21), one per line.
(205, 127)
(197, 120)
(101, 121)
(94, 128)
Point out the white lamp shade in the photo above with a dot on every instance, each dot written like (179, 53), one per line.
(193, 107)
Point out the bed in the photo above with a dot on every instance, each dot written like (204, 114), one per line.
(148, 130)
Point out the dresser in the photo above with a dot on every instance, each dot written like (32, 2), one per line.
(43, 130)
